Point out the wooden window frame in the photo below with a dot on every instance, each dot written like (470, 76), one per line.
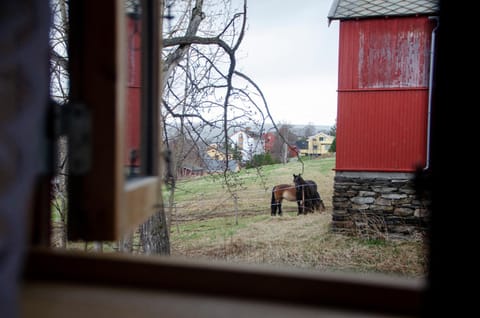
(103, 204)
(347, 293)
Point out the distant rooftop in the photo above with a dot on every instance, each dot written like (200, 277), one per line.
(352, 9)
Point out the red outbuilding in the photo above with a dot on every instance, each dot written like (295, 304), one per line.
(385, 57)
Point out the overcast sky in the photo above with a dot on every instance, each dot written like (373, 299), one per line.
(292, 54)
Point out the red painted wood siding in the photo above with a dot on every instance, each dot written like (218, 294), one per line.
(134, 87)
(383, 94)
(381, 130)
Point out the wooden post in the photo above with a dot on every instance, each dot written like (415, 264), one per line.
(303, 199)
(235, 199)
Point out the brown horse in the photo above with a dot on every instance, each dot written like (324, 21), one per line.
(280, 192)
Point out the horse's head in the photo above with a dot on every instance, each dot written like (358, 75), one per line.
(297, 179)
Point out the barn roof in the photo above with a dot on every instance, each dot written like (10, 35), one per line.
(354, 9)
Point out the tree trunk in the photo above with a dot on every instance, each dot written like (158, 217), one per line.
(125, 244)
(154, 235)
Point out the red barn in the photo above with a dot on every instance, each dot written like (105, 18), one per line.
(385, 53)
(269, 141)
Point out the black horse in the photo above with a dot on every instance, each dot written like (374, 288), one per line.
(307, 193)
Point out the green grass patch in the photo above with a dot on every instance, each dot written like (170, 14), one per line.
(264, 178)
(373, 242)
(211, 229)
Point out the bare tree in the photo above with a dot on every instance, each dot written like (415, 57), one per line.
(333, 130)
(198, 70)
(59, 94)
(309, 130)
(284, 141)
(204, 95)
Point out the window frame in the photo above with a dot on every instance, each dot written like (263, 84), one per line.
(350, 292)
(98, 71)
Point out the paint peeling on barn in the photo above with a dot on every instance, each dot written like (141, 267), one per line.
(392, 53)
(383, 113)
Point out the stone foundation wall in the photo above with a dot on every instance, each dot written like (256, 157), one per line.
(377, 204)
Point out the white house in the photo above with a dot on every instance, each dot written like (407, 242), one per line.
(248, 143)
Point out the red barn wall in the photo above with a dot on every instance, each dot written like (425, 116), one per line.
(383, 94)
(134, 87)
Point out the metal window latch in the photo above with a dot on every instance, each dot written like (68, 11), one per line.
(74, 121)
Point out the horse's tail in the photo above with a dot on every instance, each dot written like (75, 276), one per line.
(273, 203)
(322, 206)
(319, 206)
(318, 201)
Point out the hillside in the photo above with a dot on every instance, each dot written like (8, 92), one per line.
(209, 224)
(213, 134)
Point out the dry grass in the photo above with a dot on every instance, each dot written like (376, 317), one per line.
(306, 242)
(205, 228)
(303, 241)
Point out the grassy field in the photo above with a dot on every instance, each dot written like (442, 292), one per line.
(208, 223)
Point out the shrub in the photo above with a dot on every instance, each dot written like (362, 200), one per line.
(264, 159)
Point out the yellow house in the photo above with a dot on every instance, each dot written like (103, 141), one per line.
(319, 144)
(215, 153)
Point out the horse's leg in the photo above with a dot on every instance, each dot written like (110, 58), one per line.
(314, 199)
(300, 207)
(298, 196)
(318, 201)
(280, 208)
(273, 204)
(274, 207)
(304, 201)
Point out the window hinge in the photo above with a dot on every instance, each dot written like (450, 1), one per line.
(74, 122)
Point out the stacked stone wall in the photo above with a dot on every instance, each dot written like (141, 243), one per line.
(378, 204)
